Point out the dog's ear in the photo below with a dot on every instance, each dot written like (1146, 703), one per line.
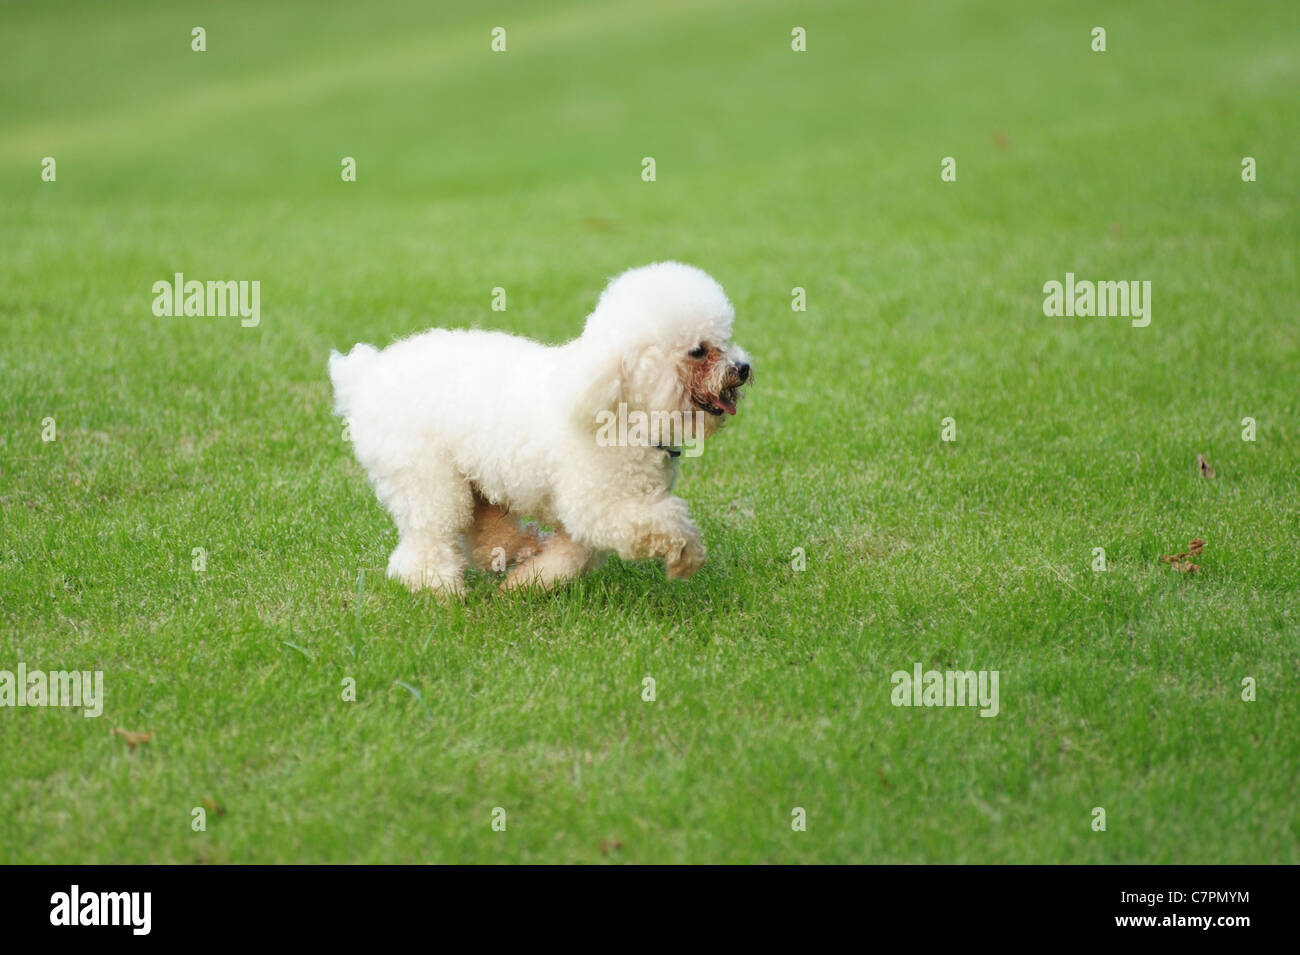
(601, 397)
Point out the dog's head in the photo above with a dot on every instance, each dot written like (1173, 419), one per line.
(661, 335)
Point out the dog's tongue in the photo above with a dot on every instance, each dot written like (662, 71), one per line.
(728, 406)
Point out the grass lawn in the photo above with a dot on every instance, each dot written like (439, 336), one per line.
(522, 170)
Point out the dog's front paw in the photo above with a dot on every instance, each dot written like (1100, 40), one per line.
(686, 561)
(419, 573)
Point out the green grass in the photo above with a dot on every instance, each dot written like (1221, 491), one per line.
(775, 169)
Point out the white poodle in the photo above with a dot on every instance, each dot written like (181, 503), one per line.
(460, 431)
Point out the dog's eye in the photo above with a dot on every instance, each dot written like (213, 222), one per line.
(699, 352)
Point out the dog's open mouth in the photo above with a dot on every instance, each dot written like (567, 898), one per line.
(723, 401)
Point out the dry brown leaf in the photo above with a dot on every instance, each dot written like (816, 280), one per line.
(1180, 561)
(132, 740)
(1204, 466)
(213, 806)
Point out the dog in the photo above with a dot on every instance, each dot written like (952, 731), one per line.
(461, 431)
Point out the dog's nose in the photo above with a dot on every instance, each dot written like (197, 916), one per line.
(743, 371)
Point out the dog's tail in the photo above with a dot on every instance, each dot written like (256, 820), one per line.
(347, 372)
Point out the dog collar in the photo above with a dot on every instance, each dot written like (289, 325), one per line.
(672, 452)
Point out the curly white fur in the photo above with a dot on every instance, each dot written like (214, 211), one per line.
(461, 430)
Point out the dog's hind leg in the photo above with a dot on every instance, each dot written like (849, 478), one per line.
(431, 508)
(496, 539)
(562, 558)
